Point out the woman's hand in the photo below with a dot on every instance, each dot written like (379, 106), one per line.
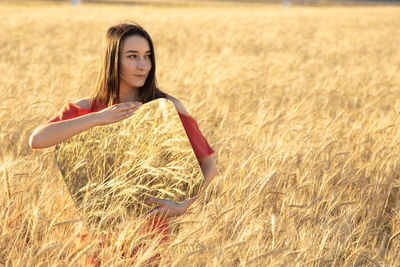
(167, 208)
(117, 112)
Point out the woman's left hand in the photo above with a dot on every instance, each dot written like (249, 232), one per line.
(167, 208)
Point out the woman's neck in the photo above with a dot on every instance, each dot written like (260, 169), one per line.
(128, 94)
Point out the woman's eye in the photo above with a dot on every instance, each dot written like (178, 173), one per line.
(135, 56)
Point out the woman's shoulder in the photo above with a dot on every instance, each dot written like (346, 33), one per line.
(178, 104)
(83, 103)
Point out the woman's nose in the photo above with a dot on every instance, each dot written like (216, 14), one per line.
(141, 63)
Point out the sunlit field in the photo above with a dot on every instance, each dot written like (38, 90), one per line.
(112, 170)
(301, 106)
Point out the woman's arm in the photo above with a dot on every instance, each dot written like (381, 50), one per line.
(209, 169)
(170, 208)
(50, 134)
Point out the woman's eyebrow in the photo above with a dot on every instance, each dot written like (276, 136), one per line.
(135, 51)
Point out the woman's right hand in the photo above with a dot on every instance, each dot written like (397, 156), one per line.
(117, 112)
(49, 134)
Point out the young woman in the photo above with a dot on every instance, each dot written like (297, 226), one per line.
(126, 80)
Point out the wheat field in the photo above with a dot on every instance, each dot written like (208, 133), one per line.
(301, 106)
(111, 170)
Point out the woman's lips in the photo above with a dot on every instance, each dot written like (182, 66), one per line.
(141, 76)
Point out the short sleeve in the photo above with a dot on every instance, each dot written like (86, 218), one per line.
(69, 111)
(199, 143)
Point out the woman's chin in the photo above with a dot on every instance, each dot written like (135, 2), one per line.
(137, 85)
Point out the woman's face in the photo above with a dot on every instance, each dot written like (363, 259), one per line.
(135, 62)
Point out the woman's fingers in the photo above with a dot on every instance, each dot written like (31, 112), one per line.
(157, 201)
(126, 114)
(161, 209)
(157, 211)
(125, 107)
(118, 112)
(152, 211)
(128, 105)
(126, 110)
(167, 208)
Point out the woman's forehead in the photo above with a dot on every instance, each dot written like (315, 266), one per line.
(136, 43)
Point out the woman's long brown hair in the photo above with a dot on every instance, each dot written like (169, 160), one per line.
(107, 86)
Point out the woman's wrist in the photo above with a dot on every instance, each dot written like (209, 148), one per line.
(188, 203)
(183, 207)
(95, 119)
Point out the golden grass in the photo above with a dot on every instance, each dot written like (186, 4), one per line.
(301, 106)
(113, 169)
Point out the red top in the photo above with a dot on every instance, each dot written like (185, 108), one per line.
(199, 144)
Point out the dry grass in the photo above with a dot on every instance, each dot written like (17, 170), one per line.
(301, 106)
(112, 170)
